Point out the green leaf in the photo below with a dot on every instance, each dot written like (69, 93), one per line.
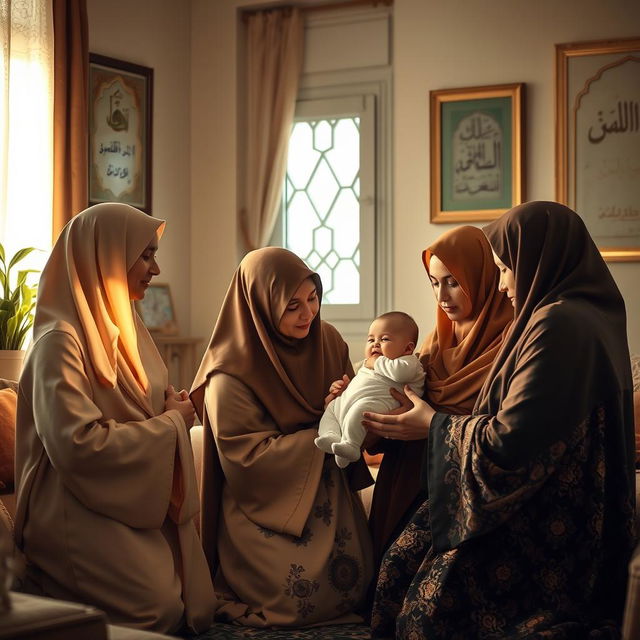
(27, 296)
(19, 255)
(22, 275)
(15, 297)
(16, 306)
(8, 306)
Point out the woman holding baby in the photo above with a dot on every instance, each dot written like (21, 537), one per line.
(528, 525)
(283, 529)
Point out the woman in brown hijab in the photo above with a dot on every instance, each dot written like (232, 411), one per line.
(285, 534)
(106, 482)
(528, 526)
(470, 323)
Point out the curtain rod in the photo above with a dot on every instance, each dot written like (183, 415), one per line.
(330, 6)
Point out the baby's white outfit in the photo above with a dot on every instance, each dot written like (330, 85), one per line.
(340, 430)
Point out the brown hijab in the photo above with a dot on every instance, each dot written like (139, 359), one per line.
(289, 377)
(570, 324)
(455, 371)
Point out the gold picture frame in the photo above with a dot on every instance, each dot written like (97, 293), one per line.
(598, 141)
(477, 152)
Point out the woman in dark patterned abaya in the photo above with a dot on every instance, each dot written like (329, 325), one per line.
(528, 525)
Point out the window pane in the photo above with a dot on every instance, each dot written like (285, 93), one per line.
(322, 210)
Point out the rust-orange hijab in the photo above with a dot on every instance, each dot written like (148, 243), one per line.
(455, 372)
(289, 377)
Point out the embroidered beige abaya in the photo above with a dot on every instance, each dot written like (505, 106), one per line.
(98, 459)
(284, 532)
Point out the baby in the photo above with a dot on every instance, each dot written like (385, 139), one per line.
(389, 362)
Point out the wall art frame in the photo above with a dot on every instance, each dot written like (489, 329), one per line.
(598, 141)
(477, 152)
(120, 132)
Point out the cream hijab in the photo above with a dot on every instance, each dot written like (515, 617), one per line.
(84, 284)
(455, 371)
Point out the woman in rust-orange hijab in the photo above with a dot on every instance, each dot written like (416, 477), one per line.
(456, 370)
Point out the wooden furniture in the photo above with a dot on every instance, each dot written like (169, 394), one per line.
(180, 354)
(35, 618)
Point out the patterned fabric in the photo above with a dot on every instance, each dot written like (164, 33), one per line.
(513, 561)
(321, 576)
(333, 632)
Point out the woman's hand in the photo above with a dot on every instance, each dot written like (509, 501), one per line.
(338, 386)
(179, 400)
(336, 389)
(410, 421)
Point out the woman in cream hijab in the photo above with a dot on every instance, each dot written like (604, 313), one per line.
(471, 320)
(106, 485)
(285, 535)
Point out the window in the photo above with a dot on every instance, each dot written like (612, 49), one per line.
(336, 205)
(328, 215)
(26, 122)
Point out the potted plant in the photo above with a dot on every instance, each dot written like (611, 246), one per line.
(16, 313)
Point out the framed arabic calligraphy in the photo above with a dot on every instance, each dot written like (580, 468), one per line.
(598, 141)
(477, 152)
(120, 118)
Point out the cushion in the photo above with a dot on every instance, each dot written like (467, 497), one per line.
(635, 371)
(636, 414)
(8, 400)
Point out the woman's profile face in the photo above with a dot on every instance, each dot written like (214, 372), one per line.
(507, 283)
(448, 292)
(300, 312)
(143, 269)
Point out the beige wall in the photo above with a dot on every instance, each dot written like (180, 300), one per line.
(156, 33)
(437, 44)
(462, 43)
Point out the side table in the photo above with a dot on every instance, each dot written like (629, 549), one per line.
(180, 355)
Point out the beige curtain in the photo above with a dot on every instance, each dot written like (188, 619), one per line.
(26, 125)
(275, 41)
(71, 30)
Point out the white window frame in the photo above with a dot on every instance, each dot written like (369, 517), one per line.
(374, 86)
(362, 107)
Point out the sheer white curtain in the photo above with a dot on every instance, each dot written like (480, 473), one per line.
(26, 126)
(275, 47)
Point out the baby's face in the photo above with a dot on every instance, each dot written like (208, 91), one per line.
(387, 339)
